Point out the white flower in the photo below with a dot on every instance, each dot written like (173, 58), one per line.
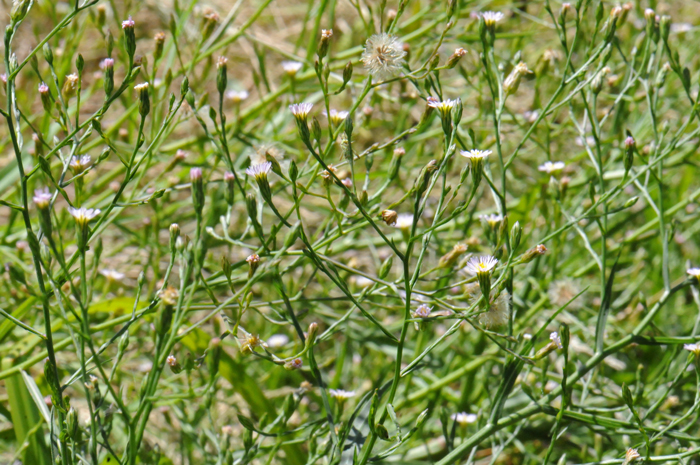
(383, 56)
(483, 264)
(112, 275)
(475, 154)
(694, 348)
(259, 170)
(554, 337)
(492, 17)
(291, 67)
(341, 395)
(237, 96)
(403, 221)
(277, 340)
(81, 163)
(128, 23)
(445, 105)
(492, 220)
(300, 110)
(694, 272)
(42, 198)
(83, 215)
(250, 341)
(336, 117)
(550, 167)
(423, 311)
(141, 87)
(463, 418)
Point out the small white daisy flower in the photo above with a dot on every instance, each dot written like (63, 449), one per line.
(341, 395)
(480, 265)
(291, 67)
(463, 418)
(551, 167)
(554, 337)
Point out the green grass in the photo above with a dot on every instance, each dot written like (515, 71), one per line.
(210, 312)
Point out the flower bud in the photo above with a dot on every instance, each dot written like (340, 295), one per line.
(450, 258)
(197, 189)
(253, 263)
(144, 101)
(221, 77)
(293, 364)
(71, 85)
(386, 267)
(512, 82)
(293, 171)
(665, 27)
(19, 10)
(210, 20)
(252, 207)
(533, 252)
(168, 299)
(108, 70)
(631, 202)
(174, 234)
(389, 217)
(515, 234)
(230, 181)
(630, 147)
(324, 43)
(45, 95)
(347, 73)
(71, 423)
(395, 165)
(48, 53)
(455, 57)
(423, 179)
(129, 37)
(173, 364)
(159, 40)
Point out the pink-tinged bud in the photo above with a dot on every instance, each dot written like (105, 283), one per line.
(180, 155)
(128, 23)
(293, 364)
(45, 95)
(195, 174)
(197, 189)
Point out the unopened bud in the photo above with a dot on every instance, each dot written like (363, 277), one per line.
(324, 43)
(389, 217)
(534, 252)
(455, 57)
(630, 147)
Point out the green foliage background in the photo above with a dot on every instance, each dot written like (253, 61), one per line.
(613, 282)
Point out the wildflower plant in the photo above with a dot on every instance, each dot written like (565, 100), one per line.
(349, 232)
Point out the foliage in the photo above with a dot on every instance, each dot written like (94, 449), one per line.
(349, 232)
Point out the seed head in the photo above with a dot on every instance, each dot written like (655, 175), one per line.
(383, 56)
